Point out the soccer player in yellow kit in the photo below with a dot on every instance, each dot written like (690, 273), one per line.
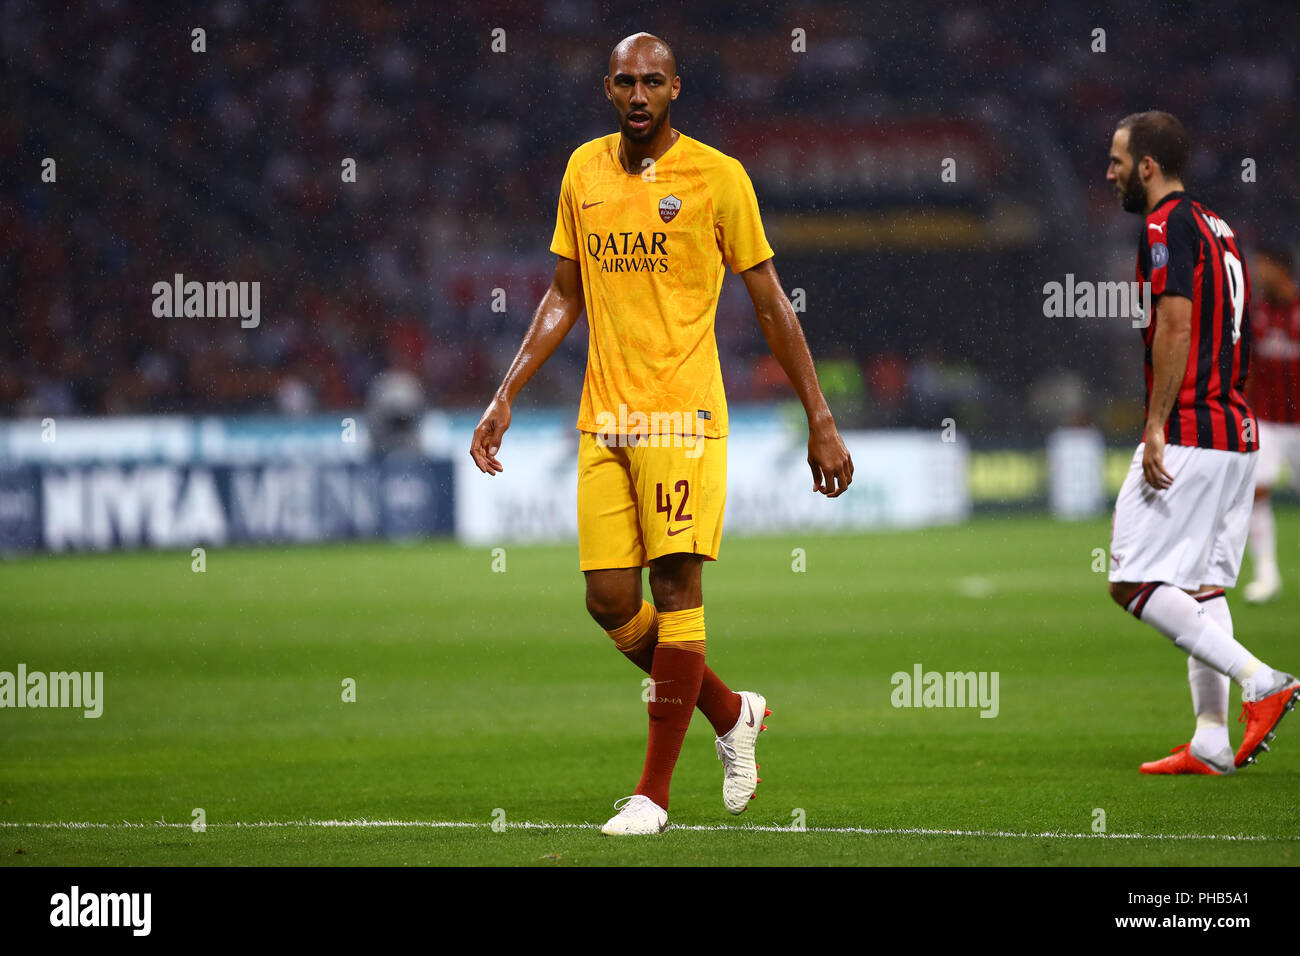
(648, 222)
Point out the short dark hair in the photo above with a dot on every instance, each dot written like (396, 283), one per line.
(1278, 252)
(1160, 136)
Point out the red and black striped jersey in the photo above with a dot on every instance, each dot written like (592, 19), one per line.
(1187, 250)
(1274, 382)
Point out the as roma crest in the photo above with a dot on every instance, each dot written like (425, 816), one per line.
(669, 206)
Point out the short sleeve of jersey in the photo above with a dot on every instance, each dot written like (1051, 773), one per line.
(565, 241)
(738, 226)
(1173, 261)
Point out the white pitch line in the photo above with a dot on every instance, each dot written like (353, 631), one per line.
(697, 827)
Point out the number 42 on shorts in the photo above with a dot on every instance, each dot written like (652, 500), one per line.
(664, 503)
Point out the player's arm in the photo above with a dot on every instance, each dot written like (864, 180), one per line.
(555, 316)
(1169, 350)
(832, 467)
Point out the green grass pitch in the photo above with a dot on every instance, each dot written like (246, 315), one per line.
(479, 691)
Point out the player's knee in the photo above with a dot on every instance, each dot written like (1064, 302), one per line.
(611, 608)
(1121, 592)
(675, 581)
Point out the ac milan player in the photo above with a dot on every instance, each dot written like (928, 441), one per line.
(1274, 390)
(1181, 516)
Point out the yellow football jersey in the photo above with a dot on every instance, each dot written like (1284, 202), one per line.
(653, 248)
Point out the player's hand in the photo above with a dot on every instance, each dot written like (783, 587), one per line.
(485, 444)
(832, 468)
(1153, 460)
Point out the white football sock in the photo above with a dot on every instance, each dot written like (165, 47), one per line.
(1210, 688)
(1211, 738)
(1181, 618)
(1263, 540)
(1209, 691)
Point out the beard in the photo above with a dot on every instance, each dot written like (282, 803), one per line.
(1134, 196)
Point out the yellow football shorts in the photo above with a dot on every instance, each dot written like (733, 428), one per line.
(638, 502)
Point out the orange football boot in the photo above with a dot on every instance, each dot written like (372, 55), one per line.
(1184, 761)
(1261, 718)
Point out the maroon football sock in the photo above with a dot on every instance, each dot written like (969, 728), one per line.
(677, 671)
(718, 703)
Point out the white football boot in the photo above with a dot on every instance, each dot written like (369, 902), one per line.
(637, 815)
(1263, 589)
(736, 751)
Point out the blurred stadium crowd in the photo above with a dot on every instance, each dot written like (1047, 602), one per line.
(225, 165)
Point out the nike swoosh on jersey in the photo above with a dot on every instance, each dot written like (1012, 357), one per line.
(588, 205)
(671, 532)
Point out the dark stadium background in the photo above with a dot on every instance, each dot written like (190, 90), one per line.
(923, 299)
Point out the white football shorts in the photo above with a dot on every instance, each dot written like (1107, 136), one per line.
(1277, 442)
(1194, 532)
